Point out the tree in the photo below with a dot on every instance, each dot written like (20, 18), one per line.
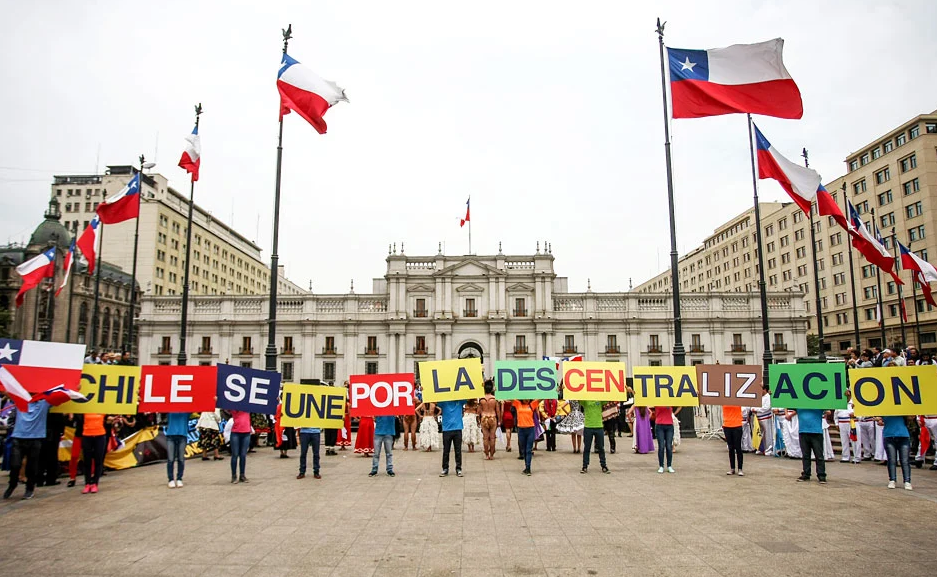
(813, 345)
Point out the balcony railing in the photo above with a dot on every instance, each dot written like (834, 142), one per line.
(737, 348)
(164, 351)
(246, 351)
(421, 351)
(570, 350)
(520, 350)
(779, 347)
(370, 350)
(697, 349)
(612, 350)
(656, 349)
(470, 313)
(329, 351)
(520, 312)
(420, 313)
(204, 350)
(287, 351)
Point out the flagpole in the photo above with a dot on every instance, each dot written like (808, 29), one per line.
(852, 276)
(71, 293)
(917, 320)
(768, 357)
(271, 352)
(878, 279)
(902, 310)
(97, 287)
(50, 304)
(470, 225)
(679, 353)
(816, 273)
(128, 338)
(181, 358)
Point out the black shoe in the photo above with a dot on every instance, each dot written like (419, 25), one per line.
(458, 472)
(8, 493)
(301, 476)
(933, 467)
(527, 472)
(71, 483)
(373, 473)
(613, 451)
(391, 474)
(51, 483)
(234, 479)
(445, 473)
(28, 495)
(520, 457)
(803, 478)
(605, 470)
(822, 481)
(919, 464)
(584, 470)
(284, 456)
(243, 479)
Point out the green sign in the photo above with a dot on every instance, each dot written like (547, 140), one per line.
(808, 386)
(525, 380)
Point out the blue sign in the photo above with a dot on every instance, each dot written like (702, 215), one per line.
(248, 390)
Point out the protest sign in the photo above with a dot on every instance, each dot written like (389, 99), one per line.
(313, 406)
(808, 386)
(452, 380)
(894, 391)
(248, 390)
(381, 395)
(594, 381)
(110, 389)
(525, 380)
(177, 389)
(665, 387)
(737, 385)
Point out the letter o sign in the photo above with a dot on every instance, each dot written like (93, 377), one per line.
(880, 391)
(388, 394)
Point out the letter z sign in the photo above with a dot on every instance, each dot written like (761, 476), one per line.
(248, 390)
(381, 395)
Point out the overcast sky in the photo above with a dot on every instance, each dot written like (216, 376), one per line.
(547, 113)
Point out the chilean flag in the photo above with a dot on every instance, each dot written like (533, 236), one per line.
(88, 242)
(69, 261)
(869, 245)
(800, 182)
(124, 205)
(925, 288)
(33, 271)
(42, 366)
(740, 78)
(21, 397)
(467, 213)
(304, 92)
(192, 155)
(911, 261)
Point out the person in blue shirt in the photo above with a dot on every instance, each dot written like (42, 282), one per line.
(811, 441)
(177, 433)
(897, 446)
(384, 430)
(28, 433)
(309, 436)
(451, 434)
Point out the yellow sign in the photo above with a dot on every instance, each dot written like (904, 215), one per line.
(452, 380)
(313, 406)
(111, 390)
(665, 387)
(894, 391)
(593, 381)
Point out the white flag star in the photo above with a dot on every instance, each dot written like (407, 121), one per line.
(7, 352)
(687, 65)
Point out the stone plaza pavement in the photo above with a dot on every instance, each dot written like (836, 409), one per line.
(494, 521)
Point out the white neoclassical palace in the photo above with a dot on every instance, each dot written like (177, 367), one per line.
(494, 307)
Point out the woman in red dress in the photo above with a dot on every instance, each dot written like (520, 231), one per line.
(507, 425)
(344, 436)
(364, 441)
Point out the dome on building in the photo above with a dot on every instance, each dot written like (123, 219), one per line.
(51, 229)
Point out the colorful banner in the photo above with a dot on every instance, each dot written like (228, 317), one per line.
(313, 406)
(111, 390)
(808, 386)
(594, 381)
(248, 390)
(452, 380)
(665, 387)
(525, 380)
(736, 385)
(381, 395)
(894, 391)
(177, 389)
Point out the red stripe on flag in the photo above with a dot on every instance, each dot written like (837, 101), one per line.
(698, 99)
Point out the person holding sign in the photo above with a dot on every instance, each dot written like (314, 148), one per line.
(732, 427)
(384, 428)
(309, 437)
(897, 446)
(525, 430)
(240, 443)
(663, 427)
(177, 433)
(451, 434)
(811, 441)
(593, 429)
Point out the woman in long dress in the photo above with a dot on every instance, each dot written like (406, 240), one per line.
(428, 437)
(344, 434)
(507, 424)
(471, 432)
(364, 441)
(640, 419)
(573, 424)
(792, 434)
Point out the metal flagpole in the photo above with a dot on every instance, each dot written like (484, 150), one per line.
(852, 277)
(128, 338)
(687, 426)
(768, 357)
(880, 300)
(271, 352)
(97, 288)
(816, 273)
(902, 309)
(181, 358)
(470, 224)
(71, 294)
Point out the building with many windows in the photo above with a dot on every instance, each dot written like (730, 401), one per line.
(494, 307)
(891, 180)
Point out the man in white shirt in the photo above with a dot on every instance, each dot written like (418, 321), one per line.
(766, 422)
(845, 422)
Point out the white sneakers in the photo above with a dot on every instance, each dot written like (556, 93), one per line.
(670, 470)
(175, 484)
(907, 486)
(891, 484)
(172, 485)
(661, 470)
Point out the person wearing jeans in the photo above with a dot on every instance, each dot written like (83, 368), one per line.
(94, 446)
(384, 429)
(732, 427)
(240, 444)
(810, 422)
(663, 419)
(177, 433)
(525, 430)
(28, 433)
(593, 430)
(451, 434)
(309, 436)
(897, 445)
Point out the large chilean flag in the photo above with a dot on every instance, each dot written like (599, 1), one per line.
(740, 78)
(304, 92)
(39, 366)
(88, 242)
(192, 155)
(124, 205)
(33, 271)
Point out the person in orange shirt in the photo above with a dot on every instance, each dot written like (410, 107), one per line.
(93, 445)
(525, 430)
(732, 427)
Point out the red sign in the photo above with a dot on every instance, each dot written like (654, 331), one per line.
(381, 395)
(177, 389)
